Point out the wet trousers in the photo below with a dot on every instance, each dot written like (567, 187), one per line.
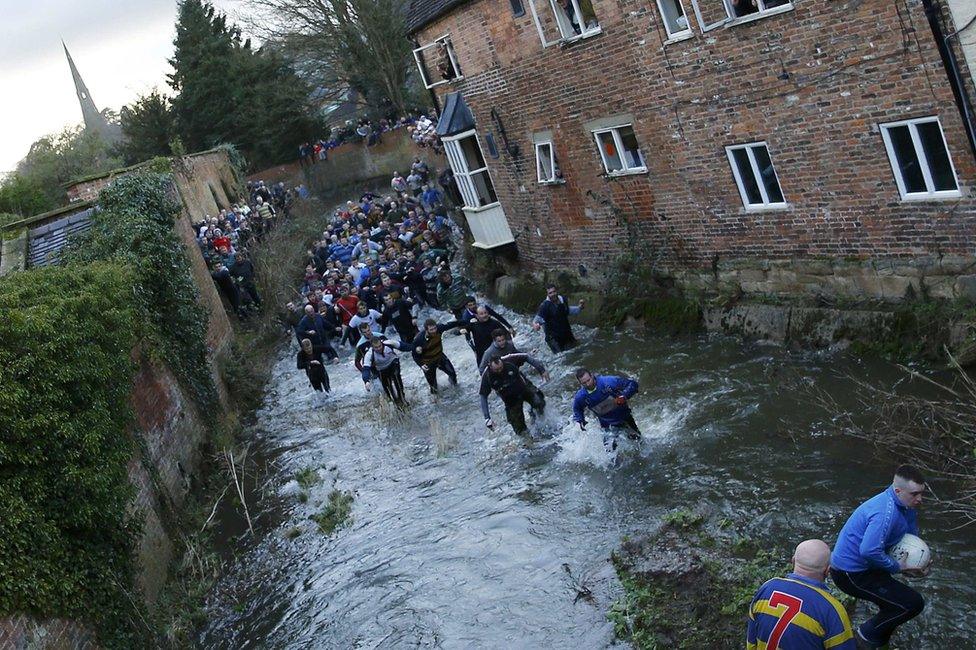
(897, 602)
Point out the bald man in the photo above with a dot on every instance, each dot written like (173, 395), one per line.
(797, 612)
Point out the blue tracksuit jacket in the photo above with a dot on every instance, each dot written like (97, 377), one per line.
(877, 524)
(601, 400)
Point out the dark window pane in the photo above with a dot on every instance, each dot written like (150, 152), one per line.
(936, 155)
(768, 174)
(906, 159)
(517, 8)
(744, 7)
(543, 153)
(483, 188)
(472, 153)
(753, 197)
(632, 151)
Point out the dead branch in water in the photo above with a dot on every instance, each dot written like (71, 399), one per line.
(937, 434)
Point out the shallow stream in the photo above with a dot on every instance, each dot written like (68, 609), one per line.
(462, 537)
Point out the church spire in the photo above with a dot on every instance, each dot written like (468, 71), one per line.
(94, 121)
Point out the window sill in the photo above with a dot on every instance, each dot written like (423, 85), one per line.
(569, 40)
(637, 171)
(935, 196)
(775, 11)
(772, 207)
(445, 82)
(558, 181)
(681, 36)
(482, 208)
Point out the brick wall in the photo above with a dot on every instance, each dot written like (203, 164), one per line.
(851, 64)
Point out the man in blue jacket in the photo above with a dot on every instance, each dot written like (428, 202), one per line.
(861, 567)
(606, 396)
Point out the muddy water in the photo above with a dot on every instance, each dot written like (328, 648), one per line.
(465, 538)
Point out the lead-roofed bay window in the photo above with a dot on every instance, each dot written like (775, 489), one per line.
(470, 170)
(482, 210)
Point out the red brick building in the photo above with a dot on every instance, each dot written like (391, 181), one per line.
(706, 133)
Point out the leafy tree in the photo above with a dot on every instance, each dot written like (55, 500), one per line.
(57, 159)
(229, 93)
(22, 196)
(347, 45)
(147, 128)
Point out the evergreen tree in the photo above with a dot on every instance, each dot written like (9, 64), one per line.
(147, 128)
(229, 93)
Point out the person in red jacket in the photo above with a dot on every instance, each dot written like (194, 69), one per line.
(345, 306)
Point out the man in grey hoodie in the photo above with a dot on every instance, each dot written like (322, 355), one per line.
(501, 346)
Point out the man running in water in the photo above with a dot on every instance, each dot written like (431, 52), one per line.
(606, 396)
(428, 352)
(401, 313)
(861, 567)
(553, 315)
(481, 326)
(310, 360)
(502, 345)
(503, 376)
(381, 360)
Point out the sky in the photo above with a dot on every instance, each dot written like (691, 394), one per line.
(120, 48)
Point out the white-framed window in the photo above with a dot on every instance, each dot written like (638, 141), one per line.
(559, 21)
(619, 150)
(744, 8)
(920, 159)
(437, 62)
(470, 169)
(674, 18)
(755, 176)
(546, 165)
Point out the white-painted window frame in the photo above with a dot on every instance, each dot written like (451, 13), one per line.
(766, 203)
(762, 13)
(563, 23)
(462, 174)
(931, 192)
(680, 34)
(618, 143)
(552, 180)
(444, 41)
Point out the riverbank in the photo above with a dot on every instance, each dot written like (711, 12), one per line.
(905, 331)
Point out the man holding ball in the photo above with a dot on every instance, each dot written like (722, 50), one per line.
(861, 567)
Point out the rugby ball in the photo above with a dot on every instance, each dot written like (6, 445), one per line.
(911, 552)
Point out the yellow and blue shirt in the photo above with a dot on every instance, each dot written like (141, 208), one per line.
(797, 613)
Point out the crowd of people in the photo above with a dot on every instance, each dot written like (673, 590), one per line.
(224, 240)
(384, 261)
(422, 129)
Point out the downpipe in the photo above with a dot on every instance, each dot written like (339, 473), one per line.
(951, 65)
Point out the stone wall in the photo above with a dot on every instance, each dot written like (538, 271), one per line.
(947, 277)
(354, 162)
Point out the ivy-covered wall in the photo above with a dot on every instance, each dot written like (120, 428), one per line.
(66, 535)
(107, 393)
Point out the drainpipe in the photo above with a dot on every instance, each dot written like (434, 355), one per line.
(933, 13)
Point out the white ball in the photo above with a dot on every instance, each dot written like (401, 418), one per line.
(911, 552)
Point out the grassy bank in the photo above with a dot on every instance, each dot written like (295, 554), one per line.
(688, 585)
